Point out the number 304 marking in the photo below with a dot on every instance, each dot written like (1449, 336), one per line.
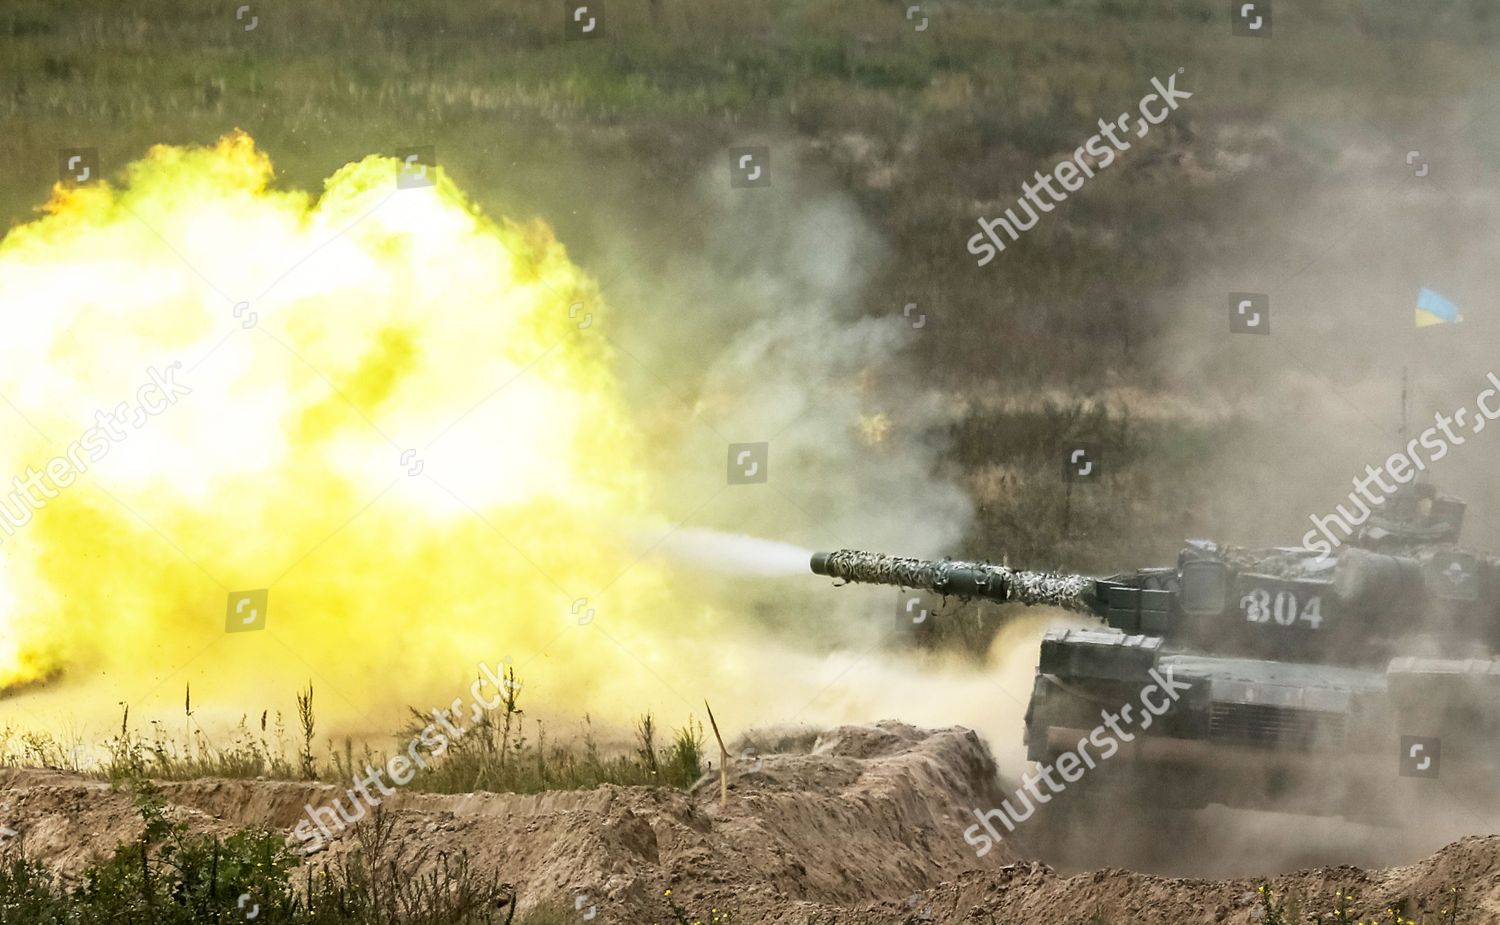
(1261, 606)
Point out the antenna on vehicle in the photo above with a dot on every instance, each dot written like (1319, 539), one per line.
(1404, 383)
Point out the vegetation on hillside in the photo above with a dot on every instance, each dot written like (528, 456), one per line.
(924, 128)
(495, 754)
(173, 876)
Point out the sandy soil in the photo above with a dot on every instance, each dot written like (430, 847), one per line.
(861, 826)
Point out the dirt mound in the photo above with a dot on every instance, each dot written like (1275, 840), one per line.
(1033, 893)
(857, 815)
(859, 825)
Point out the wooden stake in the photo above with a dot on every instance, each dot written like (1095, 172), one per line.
(723, 757)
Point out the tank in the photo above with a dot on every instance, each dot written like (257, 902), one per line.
(1354, 682)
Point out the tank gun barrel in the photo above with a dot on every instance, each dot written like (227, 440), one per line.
(962, 579)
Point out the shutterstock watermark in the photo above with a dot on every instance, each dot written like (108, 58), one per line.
(1070, 173)
(1072, 764)
(155, 396)
(1438, 441)
(324, 822)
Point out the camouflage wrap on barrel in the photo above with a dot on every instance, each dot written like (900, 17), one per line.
(962, 579)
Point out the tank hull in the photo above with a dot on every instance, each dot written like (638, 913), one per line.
(1371, 745)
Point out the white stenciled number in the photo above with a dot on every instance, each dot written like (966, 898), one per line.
(1313, 612)
(1284, 607)
(1257, 605)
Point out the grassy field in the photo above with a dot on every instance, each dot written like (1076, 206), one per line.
(924, 129)
(921, 127)
(502, 752)
(524, 117)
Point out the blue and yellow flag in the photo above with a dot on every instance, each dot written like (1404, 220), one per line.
(1434, 309)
